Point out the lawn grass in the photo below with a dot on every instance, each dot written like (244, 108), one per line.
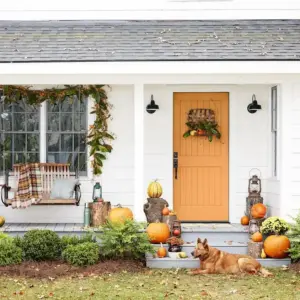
(154, 284)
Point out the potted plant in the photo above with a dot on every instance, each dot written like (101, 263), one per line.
(175, 244)
(274, 226)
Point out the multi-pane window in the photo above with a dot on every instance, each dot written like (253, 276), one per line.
(274, 104)
(19, 134)
(66, 133)
(64, 124)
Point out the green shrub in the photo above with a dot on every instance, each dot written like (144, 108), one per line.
(126, 240)
(41, 245)
(68, 240)
(274, 225)
(294, 236)
(84, 254)
(9, 252)
(18, 241)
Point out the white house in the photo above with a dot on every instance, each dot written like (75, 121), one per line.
(185, 63)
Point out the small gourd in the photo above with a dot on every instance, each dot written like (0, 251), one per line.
(165, 211)
(263, 254)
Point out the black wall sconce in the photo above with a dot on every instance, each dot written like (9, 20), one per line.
(152, 107)
(253, 107)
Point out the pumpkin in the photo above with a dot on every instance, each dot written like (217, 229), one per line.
(276, 246)
(161, 252)
(165, 211)
(154, 189)
(257, 237)
(258, 211)
(119, 214)
(2, 221)
(158, 232)
(245, 220)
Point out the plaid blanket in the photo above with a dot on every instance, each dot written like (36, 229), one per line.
(29, 186)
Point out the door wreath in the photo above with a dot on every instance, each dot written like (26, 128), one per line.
(202, 122)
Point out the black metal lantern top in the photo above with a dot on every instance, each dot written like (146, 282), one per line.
(152, 107)
(253, 107)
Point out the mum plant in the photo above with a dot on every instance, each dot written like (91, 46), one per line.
(274, 225)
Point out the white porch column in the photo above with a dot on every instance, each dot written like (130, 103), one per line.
(139, 152)
(285, 146)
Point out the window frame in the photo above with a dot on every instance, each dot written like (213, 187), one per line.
(274, 130)
(42, 132)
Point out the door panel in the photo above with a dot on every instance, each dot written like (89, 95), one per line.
(201, 190)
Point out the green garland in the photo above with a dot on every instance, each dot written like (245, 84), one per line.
(98, 136)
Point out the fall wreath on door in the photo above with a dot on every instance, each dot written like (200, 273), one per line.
(202, 122)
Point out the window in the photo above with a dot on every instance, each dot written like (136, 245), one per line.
(19, 134)
(65, 130)
(66, 134)
(274, 105)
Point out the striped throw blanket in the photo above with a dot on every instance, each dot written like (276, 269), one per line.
(29, 186)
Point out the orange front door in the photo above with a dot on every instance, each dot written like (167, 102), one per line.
(201, 187)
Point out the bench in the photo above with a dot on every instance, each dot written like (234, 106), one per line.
(50, 172)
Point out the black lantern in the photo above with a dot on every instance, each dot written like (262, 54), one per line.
(254, 190)
(97, 192)
(152, 107)
(253, 107)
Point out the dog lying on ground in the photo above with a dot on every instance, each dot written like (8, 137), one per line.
(214, 261)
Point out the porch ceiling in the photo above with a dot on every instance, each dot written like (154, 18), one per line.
(79, 41)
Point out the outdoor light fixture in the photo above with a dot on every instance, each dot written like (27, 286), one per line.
(253, 107)
(152, 107)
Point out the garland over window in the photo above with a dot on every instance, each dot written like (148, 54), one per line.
(98, 137)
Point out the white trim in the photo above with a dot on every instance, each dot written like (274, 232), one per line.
(139, 151)
(43, 132)
(151, 68)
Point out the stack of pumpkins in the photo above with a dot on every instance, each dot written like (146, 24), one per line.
(274, 246)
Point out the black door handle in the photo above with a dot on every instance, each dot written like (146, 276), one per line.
(175, 163)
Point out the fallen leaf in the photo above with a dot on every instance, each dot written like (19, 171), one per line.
(204, 293)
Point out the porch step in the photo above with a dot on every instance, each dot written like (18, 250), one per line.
(216, 234)
(193, 263)
(230, 247)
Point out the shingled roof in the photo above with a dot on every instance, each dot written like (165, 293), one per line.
(61, 41)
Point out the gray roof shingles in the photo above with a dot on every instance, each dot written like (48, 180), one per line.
(62, 41)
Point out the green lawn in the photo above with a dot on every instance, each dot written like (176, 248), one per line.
(156, 285)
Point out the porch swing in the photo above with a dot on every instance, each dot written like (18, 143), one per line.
(50, 173)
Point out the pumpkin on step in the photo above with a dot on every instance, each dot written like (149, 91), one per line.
(154, 189)
(258, 211)
(165, 211)
(161, 252)
(245, 220)
(276, 246)
(2, 221)
(158, 232)
(257, 237)
(119, 214)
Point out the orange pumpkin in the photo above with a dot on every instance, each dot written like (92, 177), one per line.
(245, 220)
(161, 252)
(119, 214)
(257, 237)
(165, 211)
(258, 211)
(158, 232)
(276, 246)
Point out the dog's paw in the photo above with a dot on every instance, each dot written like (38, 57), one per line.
(193, 273)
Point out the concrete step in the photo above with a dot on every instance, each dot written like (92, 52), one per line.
(230, 247)
(193, 263)
(216, 234)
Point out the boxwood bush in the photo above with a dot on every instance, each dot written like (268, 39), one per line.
(83, 254)
(68, 240)
(41, 245)
(10, 253)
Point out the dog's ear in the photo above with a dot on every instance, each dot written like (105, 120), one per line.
(199, 241)
(205, 245)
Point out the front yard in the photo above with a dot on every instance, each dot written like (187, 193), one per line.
(152, 284)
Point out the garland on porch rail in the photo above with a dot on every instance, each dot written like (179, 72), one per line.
(98, 136)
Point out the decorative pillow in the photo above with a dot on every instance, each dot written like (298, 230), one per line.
(63, 188)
